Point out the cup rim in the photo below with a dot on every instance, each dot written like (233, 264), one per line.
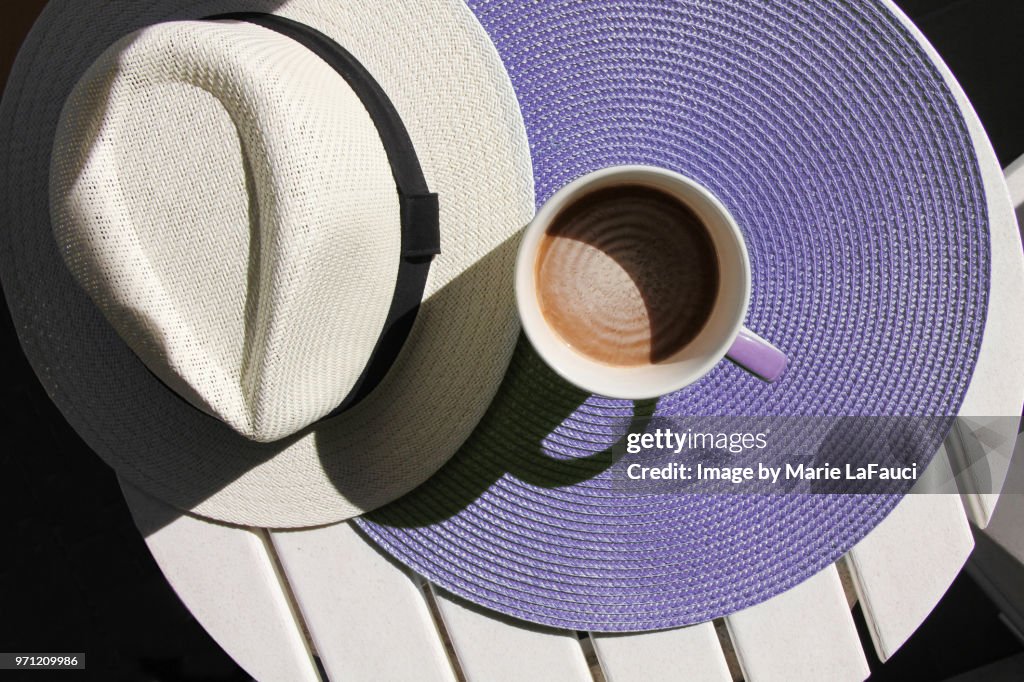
(649, 380)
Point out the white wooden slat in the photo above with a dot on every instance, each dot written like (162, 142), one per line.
(806, 633)
(982, 448)
(1007, 527)
(693, 654)
(1014, 174)
(366, 615)
(904, 566)
(492, 648)
(227, 579)
(938, 477)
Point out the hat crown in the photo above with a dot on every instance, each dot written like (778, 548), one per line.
(224, 198)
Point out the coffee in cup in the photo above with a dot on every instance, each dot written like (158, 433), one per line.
(633, 282)
(627, 275)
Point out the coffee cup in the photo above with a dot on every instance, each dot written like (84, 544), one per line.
(633, 282)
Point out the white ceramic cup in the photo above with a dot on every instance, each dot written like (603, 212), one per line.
(723, 334)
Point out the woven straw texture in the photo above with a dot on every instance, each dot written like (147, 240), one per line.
(447, 82)
(253, 262)
(835, 142)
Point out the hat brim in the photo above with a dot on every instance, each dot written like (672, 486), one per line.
(447, 82)
(844, 156)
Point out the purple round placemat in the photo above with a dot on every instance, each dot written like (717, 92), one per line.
(830, 135)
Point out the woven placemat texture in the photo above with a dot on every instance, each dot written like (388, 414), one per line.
(833, 139)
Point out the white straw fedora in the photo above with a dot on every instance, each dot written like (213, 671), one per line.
(262, 262)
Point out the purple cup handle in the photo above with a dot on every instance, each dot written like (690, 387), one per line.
(758, 356)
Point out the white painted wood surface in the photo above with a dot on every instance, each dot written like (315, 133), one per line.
(1007, 527)
(981, 448)
(366, 615)
(492, 648)
(904, 566)
(1015, 185)
(805, 634)
(227, 579)
(693, 654)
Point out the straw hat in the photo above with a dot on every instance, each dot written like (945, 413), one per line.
(262, 262)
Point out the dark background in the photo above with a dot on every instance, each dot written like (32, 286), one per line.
(76, 575)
